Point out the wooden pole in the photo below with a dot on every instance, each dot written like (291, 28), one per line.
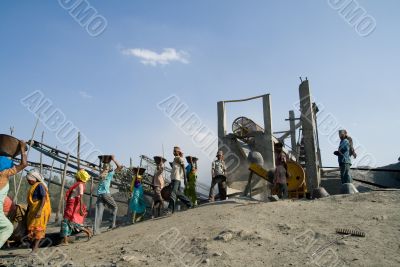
(15, 185)
(79, 151)
(14, 180)
(33, 136)
(91, 191)
(162, 163)
(61, 201)
(51, 175)
(91, 196)
(41, 154)
(29, 149)
(293, 134)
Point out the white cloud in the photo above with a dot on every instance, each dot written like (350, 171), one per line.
(85, 95)
(148, 57)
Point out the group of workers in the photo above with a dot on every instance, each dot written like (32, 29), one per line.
(180, 175)
(38, 200)
(38, 210)
(75, 211)
(344, 153)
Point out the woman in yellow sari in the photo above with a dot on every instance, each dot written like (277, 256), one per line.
(39, 209)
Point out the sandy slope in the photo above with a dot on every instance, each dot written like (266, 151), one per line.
(244, 233)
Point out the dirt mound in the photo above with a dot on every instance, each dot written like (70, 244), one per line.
(243, 233)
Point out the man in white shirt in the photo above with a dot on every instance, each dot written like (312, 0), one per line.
(178, 175)
(218, 174)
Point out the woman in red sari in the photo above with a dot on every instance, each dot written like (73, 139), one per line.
(75, 210)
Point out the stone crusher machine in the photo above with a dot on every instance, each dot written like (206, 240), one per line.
(250, 143)
(245, 130)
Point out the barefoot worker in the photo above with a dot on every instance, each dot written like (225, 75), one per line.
(218, 174)
(75, 210)
(39, 208)
(104, 197)
(137, 204)
(280, 178)
(191, 174)
(158, 185)
(178, 175)
(8, 169)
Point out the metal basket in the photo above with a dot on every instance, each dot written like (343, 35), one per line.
(9, 146)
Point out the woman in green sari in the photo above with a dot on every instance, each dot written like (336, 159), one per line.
(191, 172)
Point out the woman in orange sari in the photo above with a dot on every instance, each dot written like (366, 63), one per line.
(39, 209)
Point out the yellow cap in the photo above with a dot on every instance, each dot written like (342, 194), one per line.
(82, 175)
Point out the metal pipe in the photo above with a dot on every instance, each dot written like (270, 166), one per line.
(370, 183)
(287, 134)
(243, 100)
(40, 147)
(367, 169)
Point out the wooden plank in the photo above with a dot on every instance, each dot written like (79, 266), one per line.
(61, 201)
(259, 170)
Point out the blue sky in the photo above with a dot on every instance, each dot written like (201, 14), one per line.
(220, 50)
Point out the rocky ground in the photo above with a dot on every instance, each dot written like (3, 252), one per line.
(245, 233)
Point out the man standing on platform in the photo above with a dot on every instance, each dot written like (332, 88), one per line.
(343, 154)
(281, 173)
